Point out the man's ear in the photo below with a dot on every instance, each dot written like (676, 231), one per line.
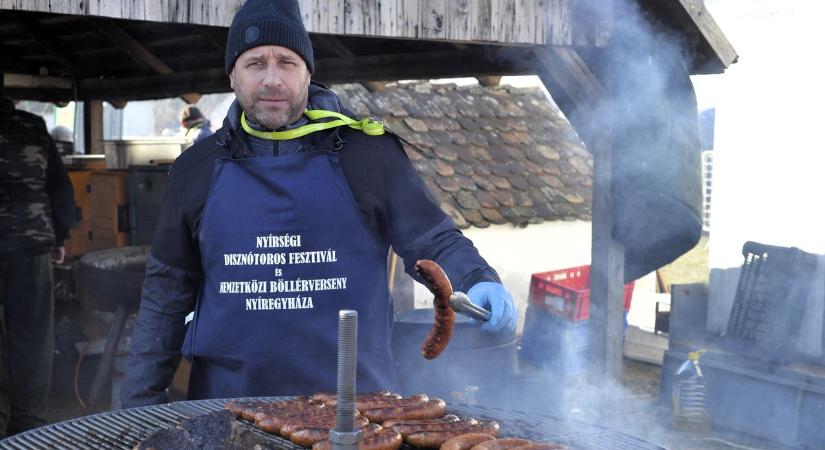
(232, 79)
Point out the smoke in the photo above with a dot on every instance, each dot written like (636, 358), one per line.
(649, 110)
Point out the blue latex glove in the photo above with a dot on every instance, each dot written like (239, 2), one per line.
(495, 298)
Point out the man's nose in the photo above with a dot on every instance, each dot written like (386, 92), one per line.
(272, 76)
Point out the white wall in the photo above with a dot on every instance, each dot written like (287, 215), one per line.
(517, 253)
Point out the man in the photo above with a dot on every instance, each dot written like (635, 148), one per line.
(196, 125)
(36, 213)
(266, 234)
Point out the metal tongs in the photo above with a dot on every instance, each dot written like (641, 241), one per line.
(461, 304)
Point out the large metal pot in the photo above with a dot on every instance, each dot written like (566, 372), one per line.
(473, 358)
(115, 276)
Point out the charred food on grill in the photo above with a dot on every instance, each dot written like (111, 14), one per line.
(386, 421)
(218, 430)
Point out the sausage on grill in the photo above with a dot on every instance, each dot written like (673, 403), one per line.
(434, 439)
(438, 283)
(331, 399)
(254, 412)
(461, 425)
(383, 439)
(430, 409)
(324, 420)
(449, 418)
(273, 422)
(237, 407)
(390, 402)
(465, 441)
(307, 437)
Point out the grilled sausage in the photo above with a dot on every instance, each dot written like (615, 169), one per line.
(430, 409)
(273, 422)
(247, 408)
(541, 446)
(502, 444)
(438, 283)
(370, 429)
(434, 439)
(465, 441)
(331, 399)
(446, 419)
(252, 412)
(366, 431)
(390, 402)
(376, 440)
(382, 440)
(324, 418)
(237, 407)
(300, 423)
(325, 423)
(309, 436)
(461, 425)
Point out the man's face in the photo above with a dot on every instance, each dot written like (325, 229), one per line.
(271, 84)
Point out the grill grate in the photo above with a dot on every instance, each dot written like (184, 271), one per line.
(126, 428)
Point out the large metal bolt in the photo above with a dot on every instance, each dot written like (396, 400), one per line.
(345, 435)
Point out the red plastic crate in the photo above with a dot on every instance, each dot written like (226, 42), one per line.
(566, 292)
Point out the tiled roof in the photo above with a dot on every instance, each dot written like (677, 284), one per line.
(490, 155)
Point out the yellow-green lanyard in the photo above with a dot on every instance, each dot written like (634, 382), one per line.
(368, 126)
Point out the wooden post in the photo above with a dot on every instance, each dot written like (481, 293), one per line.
(93, 127)
(607, 271)
(582, 98)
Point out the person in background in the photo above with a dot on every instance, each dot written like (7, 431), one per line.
(196, 125)
(63, 139)
(36, 213)
(281, 219)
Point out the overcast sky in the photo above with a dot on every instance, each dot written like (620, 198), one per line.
(769, 176)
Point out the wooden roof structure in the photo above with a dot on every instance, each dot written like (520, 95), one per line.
(121, 50)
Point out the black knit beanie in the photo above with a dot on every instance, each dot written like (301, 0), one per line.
(268, 22)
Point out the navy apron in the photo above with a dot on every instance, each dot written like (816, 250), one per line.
(284, 248)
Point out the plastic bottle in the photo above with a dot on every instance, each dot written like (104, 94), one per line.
(690, 412)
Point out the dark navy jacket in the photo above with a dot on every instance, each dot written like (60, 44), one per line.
(393, 201)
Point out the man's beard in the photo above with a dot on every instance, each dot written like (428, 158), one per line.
(275, 121)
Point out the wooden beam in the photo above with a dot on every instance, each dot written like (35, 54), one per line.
(572, 85)
(331, 44)
(474, 61)
(26, 81)
(93, 127)
(489, 81)
(374, 86)
(132, 47)
(506, 21)
(334, 45)
(138, 52)
(149, 87)
(217, 44)
(709, 31)
(52, 45)
(583, 100)
(427, 65)
(570, 72)
(606, 322)
(11, 61)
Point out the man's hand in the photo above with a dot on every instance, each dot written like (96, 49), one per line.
(495, 298)
(58, 254)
